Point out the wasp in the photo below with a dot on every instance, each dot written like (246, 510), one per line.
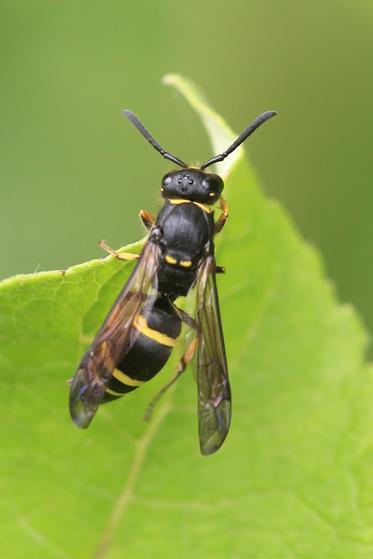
(144, 324)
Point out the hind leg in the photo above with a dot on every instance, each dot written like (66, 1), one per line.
(182, 365)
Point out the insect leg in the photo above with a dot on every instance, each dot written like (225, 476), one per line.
(187, 319)
(220, 270)
(119, 255)
(147, 219)
(182, 365)
(223, 216)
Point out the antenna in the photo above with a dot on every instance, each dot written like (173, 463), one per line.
(241, 138)
(141, 128)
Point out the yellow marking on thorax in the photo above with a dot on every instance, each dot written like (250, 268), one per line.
(177, 201)
(125, 379)
(170, 259)
(205, 208)
(185, 263)
(141, 325)
(113, 393)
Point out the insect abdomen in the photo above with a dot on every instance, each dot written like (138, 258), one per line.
(151, 351)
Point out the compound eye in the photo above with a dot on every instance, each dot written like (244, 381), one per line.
(215, 184)
(167, 180)
(206, 184)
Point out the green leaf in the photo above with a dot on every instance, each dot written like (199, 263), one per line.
(293, 479)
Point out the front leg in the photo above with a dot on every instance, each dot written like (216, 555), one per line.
(147, 219)
(223, 216)
(116, 254)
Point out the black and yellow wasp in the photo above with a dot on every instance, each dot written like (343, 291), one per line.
(141, 329)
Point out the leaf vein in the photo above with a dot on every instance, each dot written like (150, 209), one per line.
(125, 496)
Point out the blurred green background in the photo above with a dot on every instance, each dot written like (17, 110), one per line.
(73, 171)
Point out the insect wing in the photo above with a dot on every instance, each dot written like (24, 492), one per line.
(214, 394)
(115, 338)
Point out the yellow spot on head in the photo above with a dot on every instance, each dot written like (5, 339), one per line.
(212, 194)
(170, 260)
(185, 263)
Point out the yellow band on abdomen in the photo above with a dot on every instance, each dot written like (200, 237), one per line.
(125, 379)
(142, 326)
(113, 393)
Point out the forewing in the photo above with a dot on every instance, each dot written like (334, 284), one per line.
(115, 338)
(214, 394)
